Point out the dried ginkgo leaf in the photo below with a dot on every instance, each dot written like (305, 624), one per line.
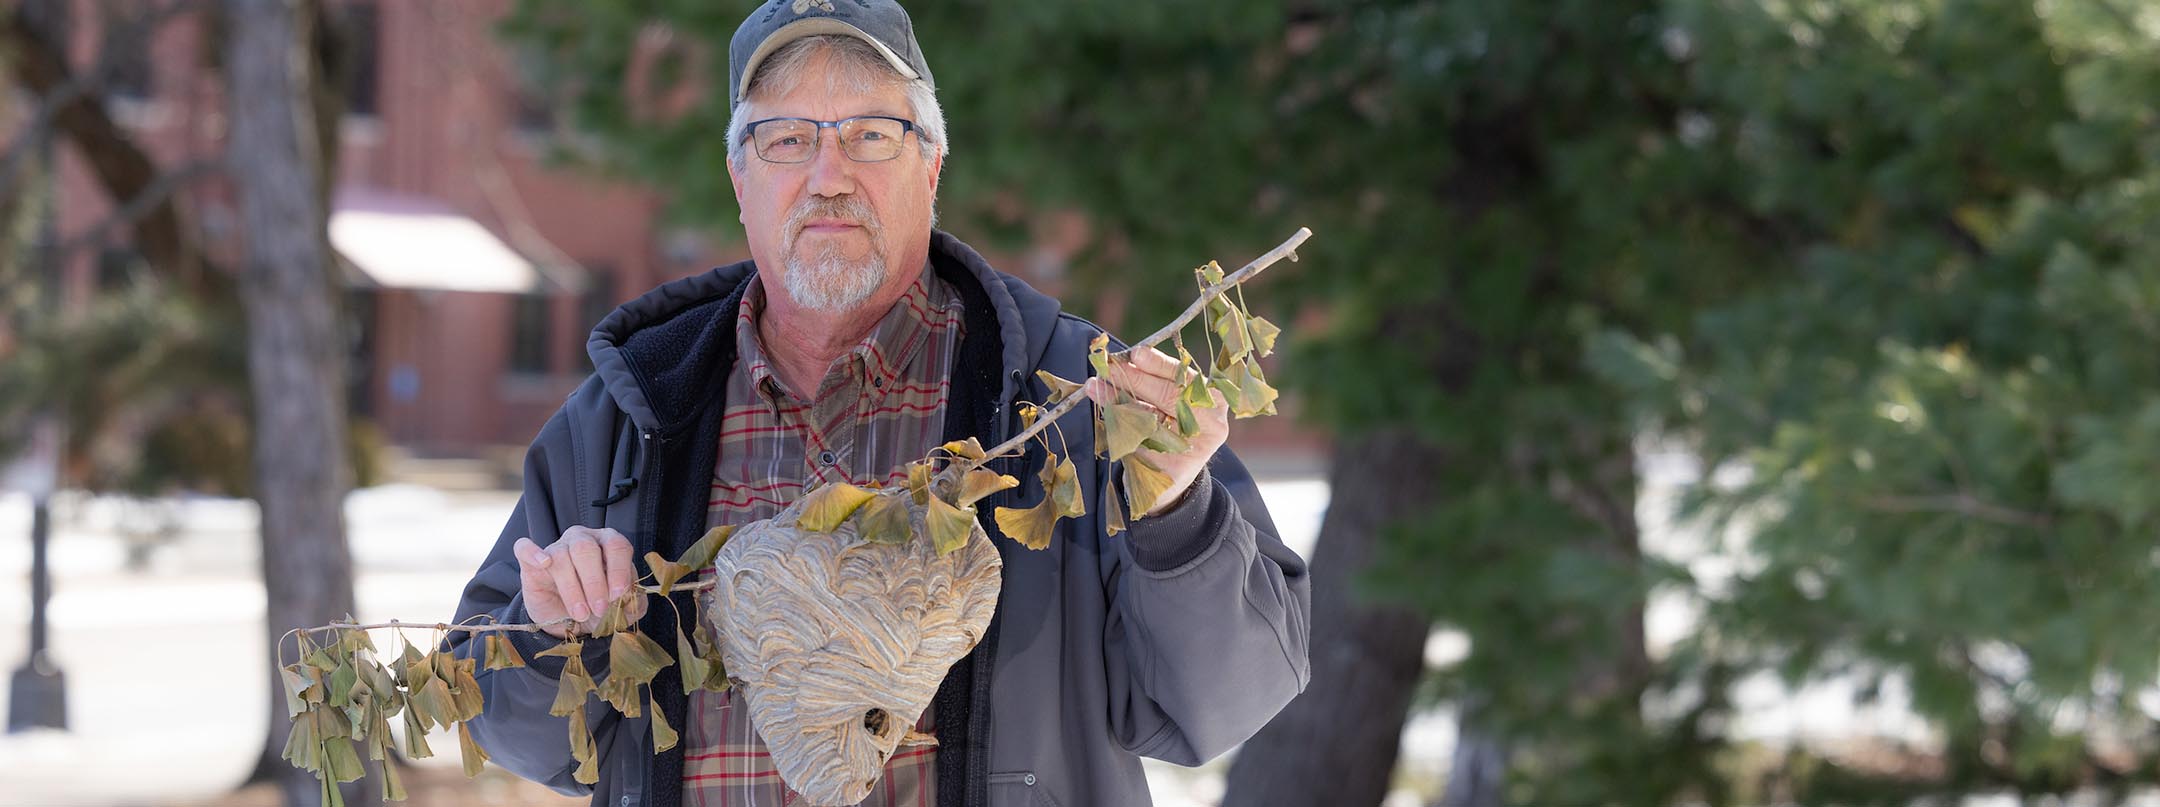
(1061, 482)
(949, 526)
(694, 667)
(1263, 335)
(303, 745)
(574, 683)
(1145, 485)
(1060, 389)
(341, 762)
(1031, 526)
(1188, 422)
(970, 448)
(1167, 438)
(885, 520)
(1230, 329)
(1113, 516)
(1255, 396)
(1128, 424)
(700, 554)
(979, 483)
(416, 731)
(1099, 354)
(475, 757)
(663, 734)
(500, 653)
(919, 476)
(300, 690)
(826, 507)
(465, 691)
(393, 784)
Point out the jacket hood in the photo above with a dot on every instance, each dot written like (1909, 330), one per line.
(660, 354)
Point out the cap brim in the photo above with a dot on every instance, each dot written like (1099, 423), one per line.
(814, 26)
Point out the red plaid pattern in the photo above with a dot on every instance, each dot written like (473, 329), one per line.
(879, 406)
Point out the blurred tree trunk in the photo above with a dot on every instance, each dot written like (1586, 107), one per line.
(1336, 743)
(1478, 769)
(296, 358)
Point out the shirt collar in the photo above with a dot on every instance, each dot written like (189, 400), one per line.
(878, 358)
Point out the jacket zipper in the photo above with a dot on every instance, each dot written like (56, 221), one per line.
(648, 520)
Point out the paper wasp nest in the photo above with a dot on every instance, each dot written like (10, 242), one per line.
(839, 644)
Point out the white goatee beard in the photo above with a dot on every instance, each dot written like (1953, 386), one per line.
(828, 281)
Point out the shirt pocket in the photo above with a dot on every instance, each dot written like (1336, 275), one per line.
(1019, 789)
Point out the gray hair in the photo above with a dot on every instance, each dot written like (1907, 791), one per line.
(856, 67)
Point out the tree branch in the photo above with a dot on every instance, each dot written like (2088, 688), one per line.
(1286, 249)
(121, 166)
(1962, 504)
(156, 193)
(492, 627)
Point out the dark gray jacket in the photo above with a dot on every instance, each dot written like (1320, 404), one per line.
(1176, 640)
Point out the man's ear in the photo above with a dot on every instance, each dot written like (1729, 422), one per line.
(735, 182)
(937, 170)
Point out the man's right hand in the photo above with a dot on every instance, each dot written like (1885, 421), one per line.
(576, 577)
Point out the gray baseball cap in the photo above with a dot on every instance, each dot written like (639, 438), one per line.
(882, 23)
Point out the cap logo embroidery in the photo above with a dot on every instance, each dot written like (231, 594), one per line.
(804, 6)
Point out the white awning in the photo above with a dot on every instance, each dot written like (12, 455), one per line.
(406, 242)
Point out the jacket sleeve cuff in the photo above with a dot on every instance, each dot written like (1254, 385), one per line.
(1173, 538)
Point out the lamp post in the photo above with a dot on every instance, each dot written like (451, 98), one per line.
(37, 693)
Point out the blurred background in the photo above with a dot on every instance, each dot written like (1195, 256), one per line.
(1686, 401)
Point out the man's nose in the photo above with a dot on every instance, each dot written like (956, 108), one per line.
(831, 172)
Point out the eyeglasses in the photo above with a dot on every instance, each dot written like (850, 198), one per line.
(864, 138)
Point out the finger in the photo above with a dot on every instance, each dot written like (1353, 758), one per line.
(1146, 386)
(1099, 391)
(1104, 393)
(537, 583)
(567, 585)
(616, 549)
(591, 572)
(1154, 362)
(531, 558)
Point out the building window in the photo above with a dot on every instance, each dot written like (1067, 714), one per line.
(532, 101)
(599, 299)
(362, 21)
(529, 335)
(124, 52)
(118, 268)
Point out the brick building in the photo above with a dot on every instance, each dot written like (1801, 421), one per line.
(473, 269)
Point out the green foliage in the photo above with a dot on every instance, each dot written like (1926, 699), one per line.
(148, 383)
(1940, 408)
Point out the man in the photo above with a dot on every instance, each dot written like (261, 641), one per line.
(857, 338)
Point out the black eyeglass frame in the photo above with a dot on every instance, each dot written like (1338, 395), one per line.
(817, 136)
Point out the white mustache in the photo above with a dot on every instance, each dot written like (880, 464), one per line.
(851, 209)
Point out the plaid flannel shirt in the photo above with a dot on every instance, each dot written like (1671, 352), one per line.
(880, 405)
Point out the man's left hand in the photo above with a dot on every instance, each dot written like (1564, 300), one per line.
(1151, 378)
